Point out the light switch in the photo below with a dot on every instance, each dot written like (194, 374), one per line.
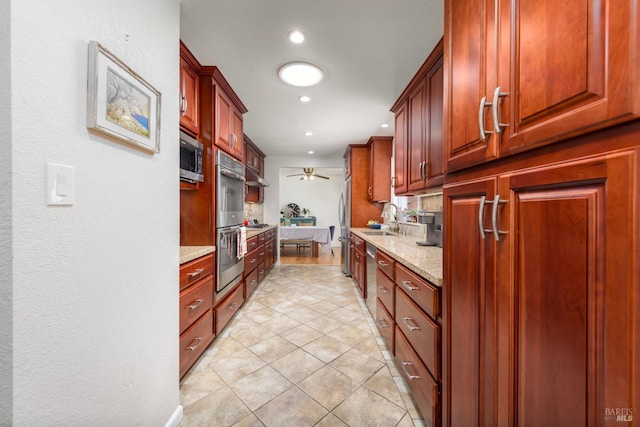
(60, 188)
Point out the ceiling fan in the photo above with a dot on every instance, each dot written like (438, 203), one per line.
(308, 174)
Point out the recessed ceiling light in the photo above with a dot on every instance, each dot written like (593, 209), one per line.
(304, 98)
(308, 133)
(310, 152)
(296, 36)
(300, 74)
(384, 125)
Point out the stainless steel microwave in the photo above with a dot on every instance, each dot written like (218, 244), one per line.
(191, 155)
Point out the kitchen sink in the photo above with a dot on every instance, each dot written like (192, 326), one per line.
(378, 233)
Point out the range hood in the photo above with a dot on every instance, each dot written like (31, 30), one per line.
(254, 180)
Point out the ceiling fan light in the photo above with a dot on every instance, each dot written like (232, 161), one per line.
(296, 36)
(301, 74)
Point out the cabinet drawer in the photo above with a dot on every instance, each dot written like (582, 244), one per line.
(358, 243)
(261, 238)
(195, 340)
(252, 243)
(194, 301)
(253, 258)
(422, 333)
(386, 292)
(261, 272)
(271, 234)
(422, 292)
(251, 282)
(386, 264)
(192, 271)
(228, 307)
(385, 324)
(423, 387)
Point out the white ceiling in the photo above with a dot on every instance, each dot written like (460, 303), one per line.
(369, 50)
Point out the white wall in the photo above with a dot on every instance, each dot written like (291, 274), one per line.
(320, 196)
(95, 295)
(5, 218)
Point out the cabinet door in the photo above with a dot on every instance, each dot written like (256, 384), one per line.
(566, 288)
(469, 77)
(237, 146)
(223, 111)
(400, 153)
(468, 311)
(434, 162)
(189, 90)
(416, 142)
(568, 68)
(380, 169)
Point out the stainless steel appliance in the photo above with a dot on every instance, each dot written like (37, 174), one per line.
(372, 271)
(344, 216)
(191, 152)
(229, 218)
(433, 228)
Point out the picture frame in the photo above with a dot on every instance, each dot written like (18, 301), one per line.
(120, 103)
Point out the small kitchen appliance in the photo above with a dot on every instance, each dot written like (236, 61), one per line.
(433, 228)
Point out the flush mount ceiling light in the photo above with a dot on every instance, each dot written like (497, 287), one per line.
(296, 36)
(308, 133)
(304, 98)
(384, 125)
(300, 74)
(310, 152)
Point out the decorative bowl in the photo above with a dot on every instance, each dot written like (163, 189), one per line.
(374, 226)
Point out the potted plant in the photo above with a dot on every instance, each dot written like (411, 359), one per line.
(305, 212)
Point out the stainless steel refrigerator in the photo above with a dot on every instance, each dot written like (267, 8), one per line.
(344, 215)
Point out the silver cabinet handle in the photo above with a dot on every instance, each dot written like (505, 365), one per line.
(253, 282)
(261, 253)
(195, 273)
(483, 105)
(497, 126)
(382, 264)
(384, 325)
(407, 284)
(253, 260)
(198, 341)
(197, 303)
(393, 181)
(412, 328)
(410, 376)
(480, 217)
(383, 290)
(233, 306)
(494, 217)
(186, 104)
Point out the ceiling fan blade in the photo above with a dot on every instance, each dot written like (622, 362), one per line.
(297, 174)
(320, 176)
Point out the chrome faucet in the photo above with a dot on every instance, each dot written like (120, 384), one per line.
(393, 223)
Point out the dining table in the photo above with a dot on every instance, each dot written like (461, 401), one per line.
(314, 234)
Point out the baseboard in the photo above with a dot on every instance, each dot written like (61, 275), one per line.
(176, 417)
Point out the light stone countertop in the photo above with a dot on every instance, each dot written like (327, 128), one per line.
(255, 231)
(189, 253)
(425, 261)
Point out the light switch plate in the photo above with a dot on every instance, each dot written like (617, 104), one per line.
(60, 185)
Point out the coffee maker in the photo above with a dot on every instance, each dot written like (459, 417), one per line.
(433, 228)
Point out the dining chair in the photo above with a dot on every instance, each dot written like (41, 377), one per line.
(332, 229)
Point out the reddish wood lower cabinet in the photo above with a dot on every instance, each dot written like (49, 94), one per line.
(423, 386)
(195, 340)
(386, 325)
(228, 307)
(540, 314)
(195, 301)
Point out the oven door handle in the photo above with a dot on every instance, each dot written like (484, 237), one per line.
(232, 175)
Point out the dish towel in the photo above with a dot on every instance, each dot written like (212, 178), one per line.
(242, 243)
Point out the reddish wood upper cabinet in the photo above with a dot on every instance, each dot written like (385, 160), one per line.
(362, 210)
(536, 73)
(226, 112)
(419, 129)
(254, 165)
(379, 188)
(189, 91)
(532, 309)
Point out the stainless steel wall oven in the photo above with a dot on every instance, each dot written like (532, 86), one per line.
(230, 215)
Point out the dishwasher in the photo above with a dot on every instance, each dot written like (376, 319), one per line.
(372, 269)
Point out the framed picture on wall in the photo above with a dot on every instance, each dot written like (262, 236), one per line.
(120, 103)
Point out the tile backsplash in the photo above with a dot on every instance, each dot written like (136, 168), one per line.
(431, 202)
(254, 210)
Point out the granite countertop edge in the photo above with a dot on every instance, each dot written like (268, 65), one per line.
(426, 261)
(189, 253)
(256, 231)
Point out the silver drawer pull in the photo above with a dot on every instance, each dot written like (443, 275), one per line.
(382, 264)
(252, 261)
(410, 376)
(198, 341)
(383, 289)
(233, 306)
(384, 325)
(411, 328)
(197, 303)
(253, 282)
(407, 284)
(195, 273)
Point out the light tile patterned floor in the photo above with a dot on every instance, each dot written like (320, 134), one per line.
(303, 351)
